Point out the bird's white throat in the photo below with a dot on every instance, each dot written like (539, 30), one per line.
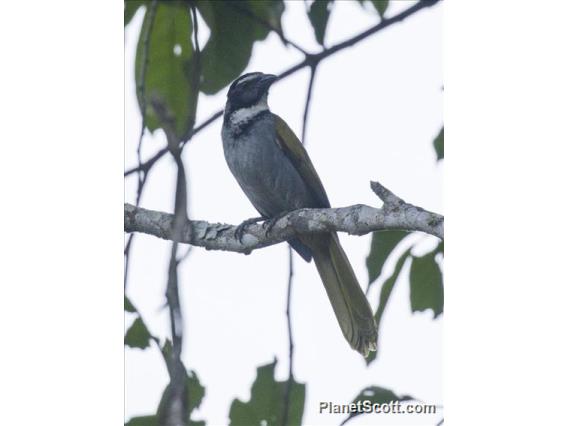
(244, 115)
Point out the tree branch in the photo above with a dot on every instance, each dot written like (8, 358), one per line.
(309, 61)
(251, 15)
(150, 162)
(358, 219)
(142, 174)
(290, 381)
(313, 70)
(174, 407)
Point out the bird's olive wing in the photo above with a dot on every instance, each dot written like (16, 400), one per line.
(297, 154)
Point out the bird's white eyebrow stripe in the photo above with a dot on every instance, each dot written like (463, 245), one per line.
(248, 78)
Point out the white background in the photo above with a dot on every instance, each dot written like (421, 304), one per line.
(61, 177)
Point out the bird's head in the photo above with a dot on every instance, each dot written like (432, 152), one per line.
(249, 91)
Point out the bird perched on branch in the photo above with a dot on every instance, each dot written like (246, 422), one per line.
(273, 169)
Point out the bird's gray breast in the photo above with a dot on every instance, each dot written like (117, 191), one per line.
(266, 175)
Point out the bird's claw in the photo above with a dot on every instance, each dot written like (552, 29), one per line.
(240, 230)
(268, 224)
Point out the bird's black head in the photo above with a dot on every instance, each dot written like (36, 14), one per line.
(248, 90)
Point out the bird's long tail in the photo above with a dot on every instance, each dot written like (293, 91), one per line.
(347, 299)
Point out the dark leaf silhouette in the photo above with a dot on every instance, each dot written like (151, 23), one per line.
(266, 404)
(235, 26)
(386, 291)
(171, 74)
(382, 244)
(426, 286)
(439, 145)
(319, 15)
(137, 335)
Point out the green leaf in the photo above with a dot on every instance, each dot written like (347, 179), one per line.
(171, 75)
(269, 12)
(128, 306)
(382, 244)
(426, 286)
(137, 335)
(380, 6)
(439, 145)
(235, 26)
(153, 421)
(266, 405)
(130, 9)
(319, 16)
(143, 421)
(376, 395)
(196, 391)
(384, 297)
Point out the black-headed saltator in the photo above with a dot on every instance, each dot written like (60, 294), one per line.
(273, 168)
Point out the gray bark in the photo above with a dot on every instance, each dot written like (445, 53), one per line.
(358, 219)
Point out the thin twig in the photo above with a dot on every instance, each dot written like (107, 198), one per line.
(142, 93)
(250, 14)
(290, 380)
(142, 174)
(150, 162)
(127, 258)
(176, 407)
(177, 410)
(308, 61)
(318, 57)
(313, 70)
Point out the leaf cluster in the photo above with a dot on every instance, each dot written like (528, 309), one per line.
(426, 281)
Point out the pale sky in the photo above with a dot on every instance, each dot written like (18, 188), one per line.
(376, 108)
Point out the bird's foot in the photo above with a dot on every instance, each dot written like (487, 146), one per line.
(240, 230)
(268, 224)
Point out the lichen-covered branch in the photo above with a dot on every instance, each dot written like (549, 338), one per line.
(358, 219)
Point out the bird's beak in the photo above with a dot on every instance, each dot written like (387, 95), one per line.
(268, 79)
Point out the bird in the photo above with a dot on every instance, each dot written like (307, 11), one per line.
(273, 169)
